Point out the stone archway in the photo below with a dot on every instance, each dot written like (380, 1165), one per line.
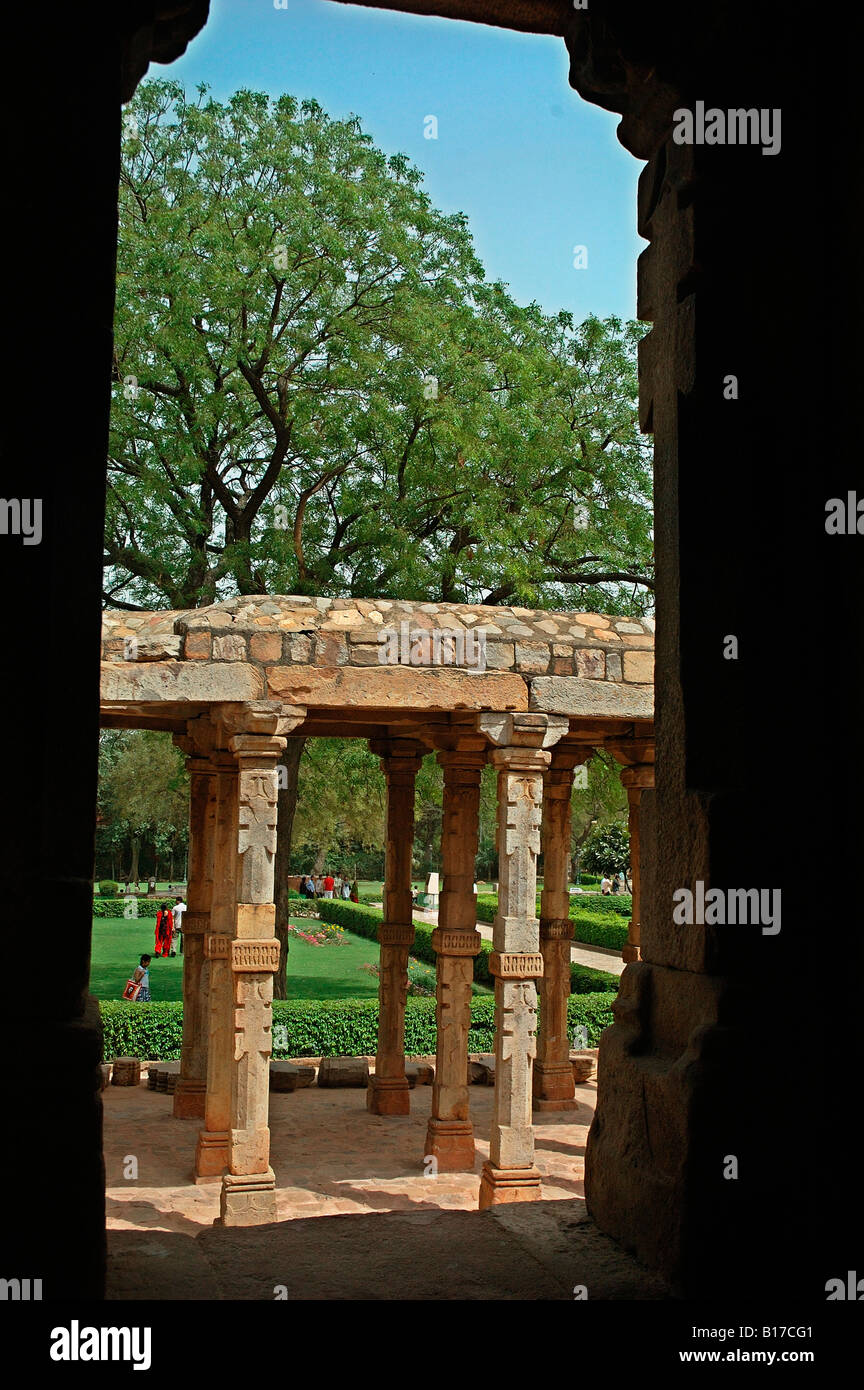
(731, 291)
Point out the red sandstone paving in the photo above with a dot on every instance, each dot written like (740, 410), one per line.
(391, 1233)
(330, 1156)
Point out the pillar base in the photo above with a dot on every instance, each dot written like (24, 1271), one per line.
(211, 1155)
(451, 1143)
(189, 1099)
(248, 1199)
(500, 1185)
(630, 953)
(388, 1095)
(553, 1086)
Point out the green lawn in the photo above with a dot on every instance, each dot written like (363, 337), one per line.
(314, 972)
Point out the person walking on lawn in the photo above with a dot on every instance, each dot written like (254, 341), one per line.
(141, 975)
(177, 935)
(164, 930)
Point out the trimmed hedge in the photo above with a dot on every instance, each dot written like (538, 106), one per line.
(598, 921)
(325, 1028)
(365, 921)
(618, 904)
(116, 907)
(597, 931)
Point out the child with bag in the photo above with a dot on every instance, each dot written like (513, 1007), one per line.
(137, 989)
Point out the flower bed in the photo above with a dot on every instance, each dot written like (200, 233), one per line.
(327, 934)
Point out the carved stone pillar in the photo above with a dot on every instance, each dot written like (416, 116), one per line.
(553, 1075)
(635, 778)
(388, 1092)
(211, 1156)
(450, 1134)
(244, 953)
(203, 803)
(509, 1174)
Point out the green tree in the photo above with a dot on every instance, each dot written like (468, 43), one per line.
(607, 851)
(317, 391)
(143, 795)
(602, 802)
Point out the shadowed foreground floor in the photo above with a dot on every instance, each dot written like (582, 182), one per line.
(358, 1218)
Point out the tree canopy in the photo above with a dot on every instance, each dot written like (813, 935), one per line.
(318, 391)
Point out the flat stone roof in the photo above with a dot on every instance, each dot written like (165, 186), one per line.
(328, 653)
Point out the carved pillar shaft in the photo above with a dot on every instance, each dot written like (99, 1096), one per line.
(211, 1158)
(388, 1092)
(635, 779)
(249, 1186)
(450, 1134)
(203, 804)
(510, 1175)
(553, 1075)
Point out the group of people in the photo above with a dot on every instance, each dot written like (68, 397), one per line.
(326, 886)
(616, 884)
(169, 928)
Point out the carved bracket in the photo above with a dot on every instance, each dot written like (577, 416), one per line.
(217, 947)
(258, 956)
(556, 929)
(455, 943)
(516, 965)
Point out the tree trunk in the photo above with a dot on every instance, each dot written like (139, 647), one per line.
(286, 806)
(320, 856)
(134, 872)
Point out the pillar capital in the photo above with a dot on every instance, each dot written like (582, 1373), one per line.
(519, 729)
(398, 755)
(261, 717)
(631, 751)
(566, 757)
(637, 776)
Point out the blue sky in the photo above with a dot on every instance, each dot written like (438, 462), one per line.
(537, 170)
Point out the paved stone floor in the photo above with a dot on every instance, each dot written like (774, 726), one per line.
(391, 1232)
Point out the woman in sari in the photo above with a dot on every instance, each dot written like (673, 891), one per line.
(164, 930)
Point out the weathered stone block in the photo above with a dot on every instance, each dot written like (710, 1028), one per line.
(229, 647)
(639, 667)
(419, 1074)
(500, 656)
(344, 1071)
(584, 1064)
(573, 696)
(266, 646)
(299, 648)
(288, 1076)
(126, 1071)
(590, 663)
(481, 1069)
(331, 649)
(397, 687)
(532, 658)
(196, 646)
